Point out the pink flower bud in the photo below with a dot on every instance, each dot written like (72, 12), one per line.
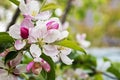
(24, 32)
(52, 25)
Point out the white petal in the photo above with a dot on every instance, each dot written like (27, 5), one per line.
(37, 59)
(50, 50)
(37, 33)
(5, 76)
(65, 59)
(23, 8)
(55, 58)
(35, 50)
(64, 34)
(2, 64)
(20, 69)
(65, 51)
(85, 43)
(52, 36)
(19, 44)
(102, 66)
(44, 15)
(14, 31)
(107, 64)
(34, 7)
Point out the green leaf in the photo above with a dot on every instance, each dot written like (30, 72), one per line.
(71, 44)
(49, 6)
(11, 55)
(115, 69)
(16, 2)
(51, 74)
(5, 41)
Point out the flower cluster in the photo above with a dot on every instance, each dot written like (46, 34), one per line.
(37, 35)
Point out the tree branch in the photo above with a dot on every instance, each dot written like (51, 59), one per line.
(15, 16)
(67, 9)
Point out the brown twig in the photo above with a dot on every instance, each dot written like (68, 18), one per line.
(15, 16)
(67, 9)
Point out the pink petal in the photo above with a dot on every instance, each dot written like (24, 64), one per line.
(3, 54)
(36, 70)
(29, 66)
(24, 32)
(52, 25)
(27, 23)
(45, 65)
(19, 44)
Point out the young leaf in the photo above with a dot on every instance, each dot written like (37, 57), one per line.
(51, 74)
(71, 44)
(5, 41)
(49, 6)
(16, 2)
(11, 55)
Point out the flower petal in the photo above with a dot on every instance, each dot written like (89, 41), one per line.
(36, 70)
(4, 75)
(2, 64)
(65, 59)
(27, 23)
(52, 36)
(65, 51)
(44, 15)
(63, 34)
(33, 7)
(14, 31)
(85, 43)
(19, 44)
(23, 8)
(35, 50)
(20, 69)
(29, 66)
(50, 50)
(45, 65)
(17, 60)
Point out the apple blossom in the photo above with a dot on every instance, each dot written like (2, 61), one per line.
(81, 40)
(60, 53)
(31, 10)
(102, 65)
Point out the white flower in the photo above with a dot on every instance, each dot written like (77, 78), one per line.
(81, 40)
(59, 53)
(31, 10)
(102, 65)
